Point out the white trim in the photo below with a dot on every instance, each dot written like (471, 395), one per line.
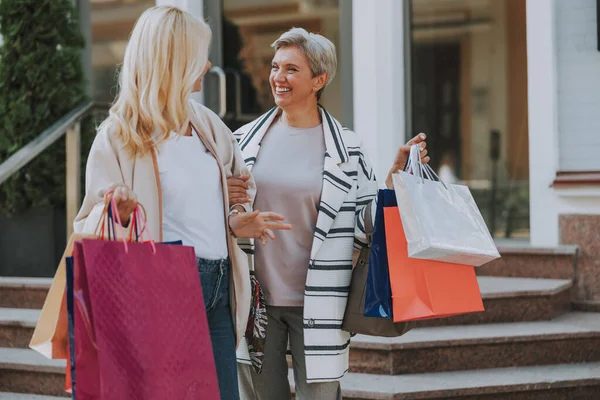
(543, 126)
(581, 191)
(581, 200)
(378, 66)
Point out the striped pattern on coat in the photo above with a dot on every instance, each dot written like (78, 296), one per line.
(349, 186)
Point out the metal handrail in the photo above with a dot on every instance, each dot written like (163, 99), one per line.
(50, 135)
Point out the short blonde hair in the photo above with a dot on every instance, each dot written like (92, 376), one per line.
(166, 54)
(319, 51)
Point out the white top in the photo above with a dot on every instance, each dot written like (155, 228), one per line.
(193, 209)
(289, 178)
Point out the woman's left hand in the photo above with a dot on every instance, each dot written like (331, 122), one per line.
(257, 225)
(402, 156)
(237, 187)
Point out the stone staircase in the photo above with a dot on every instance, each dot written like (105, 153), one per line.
(25, 374)
(528, 344)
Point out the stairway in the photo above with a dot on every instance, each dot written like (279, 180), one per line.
(25, 374)
(529, 344)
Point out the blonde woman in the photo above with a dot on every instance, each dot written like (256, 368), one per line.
(315, 172)
(173, 156)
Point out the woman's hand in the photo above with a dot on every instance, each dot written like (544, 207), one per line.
(257, 225)
(238, 190)
(126, 201)
(402, 156)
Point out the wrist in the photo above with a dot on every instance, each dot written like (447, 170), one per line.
(236, 209)
(233, 213)
(389, 183)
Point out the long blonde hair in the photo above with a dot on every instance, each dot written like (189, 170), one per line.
(167, 52)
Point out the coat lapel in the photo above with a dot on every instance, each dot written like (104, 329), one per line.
(250, 142)
(336, 184)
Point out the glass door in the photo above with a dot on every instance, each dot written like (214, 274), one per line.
(237, 87)
(469, 94)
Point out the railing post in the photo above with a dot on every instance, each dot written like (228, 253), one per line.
(73, 182)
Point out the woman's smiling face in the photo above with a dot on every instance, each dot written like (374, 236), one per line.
(291, 79)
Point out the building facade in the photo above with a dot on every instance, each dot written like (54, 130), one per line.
(507, 91)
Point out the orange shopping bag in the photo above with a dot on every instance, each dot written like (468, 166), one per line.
(68, 377)
(425, 289)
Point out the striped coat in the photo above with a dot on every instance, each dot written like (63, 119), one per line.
(349, 186)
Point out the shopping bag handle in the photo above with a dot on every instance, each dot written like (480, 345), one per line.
(415, 164)
(138, 220)
(139, 216)
(369, 223)
(117, 217)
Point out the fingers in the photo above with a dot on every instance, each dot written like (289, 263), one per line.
(239, 182)
(269, 233)
(404, 151)
(271, 219)
(238, 199)
(236, 190)
(120, 193)
(406, 148)
(125, 199)
(247, 217)
(417, 139)
(111, 188)
(272, 216)
(279, 226)
(238, 194)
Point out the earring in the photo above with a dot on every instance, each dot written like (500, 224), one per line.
(315, 89)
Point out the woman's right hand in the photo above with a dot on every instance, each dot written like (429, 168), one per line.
(126, 201)
(257, 225)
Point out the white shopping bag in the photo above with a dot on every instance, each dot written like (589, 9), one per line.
(441, 221)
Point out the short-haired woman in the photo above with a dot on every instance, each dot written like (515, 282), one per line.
(315, 172)
(175, 155)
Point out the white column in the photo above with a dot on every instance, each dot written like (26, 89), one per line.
(543, 121)
(378, 64)
(194, 7)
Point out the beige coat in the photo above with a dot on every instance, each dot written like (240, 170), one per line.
(109, 163)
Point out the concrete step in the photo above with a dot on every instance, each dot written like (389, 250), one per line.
(571, 338)
(514, 300)
(555, 382)
(16, 326)
(520, 259)
(23, 292)
(505, 300)
(26, 371)
(21, 396)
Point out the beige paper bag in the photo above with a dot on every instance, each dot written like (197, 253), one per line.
(50, 337)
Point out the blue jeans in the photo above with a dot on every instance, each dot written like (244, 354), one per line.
(214, 276)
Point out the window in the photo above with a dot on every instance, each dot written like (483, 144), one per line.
(469, 94)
